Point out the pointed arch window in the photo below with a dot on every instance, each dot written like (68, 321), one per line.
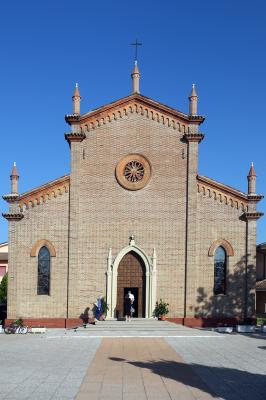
(44, 266)
(220, 260)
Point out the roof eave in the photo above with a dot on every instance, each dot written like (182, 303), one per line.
(221, 186)
(44, 186)
(72, 118)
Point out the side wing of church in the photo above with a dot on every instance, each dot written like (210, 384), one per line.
(134, 214)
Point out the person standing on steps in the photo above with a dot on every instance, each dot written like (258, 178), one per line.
(129, 300)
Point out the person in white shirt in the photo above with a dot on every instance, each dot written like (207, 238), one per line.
(129, 300)
(131, 296)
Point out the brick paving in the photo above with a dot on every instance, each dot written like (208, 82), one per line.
(140, 368)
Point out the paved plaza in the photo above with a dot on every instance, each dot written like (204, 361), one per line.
(139, 360)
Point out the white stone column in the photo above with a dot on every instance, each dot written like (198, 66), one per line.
(114, 294)
(147, 297)
(109, 284)
(154, 281)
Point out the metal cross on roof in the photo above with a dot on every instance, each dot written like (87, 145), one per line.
(136, 48)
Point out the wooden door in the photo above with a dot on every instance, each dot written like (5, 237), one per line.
(131, 274)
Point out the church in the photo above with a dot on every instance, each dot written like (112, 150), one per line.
(133, 214)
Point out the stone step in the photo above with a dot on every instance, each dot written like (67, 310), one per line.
(134, 325)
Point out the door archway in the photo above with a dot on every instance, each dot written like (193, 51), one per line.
(131, 275)
(150, 278)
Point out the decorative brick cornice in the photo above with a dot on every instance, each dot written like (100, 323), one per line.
(11, 198)
(138, 104)
(194, 137)
(222, 193)
(75, 137)
(255, 197)
(253, 215)
(196, 118)
(13, 217)
(72, 118)
(44, 193)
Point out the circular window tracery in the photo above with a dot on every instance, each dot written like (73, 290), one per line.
(133, 171)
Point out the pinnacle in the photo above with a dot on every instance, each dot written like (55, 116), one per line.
(76, 91)
(14, 171)
(252, 170)
(136, 69)
(193, 91)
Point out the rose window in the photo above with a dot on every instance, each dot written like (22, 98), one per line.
(134, 171)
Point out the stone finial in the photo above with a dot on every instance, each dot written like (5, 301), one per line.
(76, 100)
(131, 240)
(110, 254)
(14, 179)
(135, 78)
(252, 180)
(193, 101)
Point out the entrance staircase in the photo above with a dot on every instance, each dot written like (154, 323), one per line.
(138, 327)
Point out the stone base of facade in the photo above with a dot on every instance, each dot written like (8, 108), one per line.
(191, 322)
(49, 322)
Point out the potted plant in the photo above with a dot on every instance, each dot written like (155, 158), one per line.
(261, 321)
(18, 322)
(161, 310)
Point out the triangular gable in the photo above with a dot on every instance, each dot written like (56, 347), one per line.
(134, 103)
(42, 193)
(4, 247)
(222, 193)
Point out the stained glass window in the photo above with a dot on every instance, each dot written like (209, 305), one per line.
(219, 271)
(43, 271)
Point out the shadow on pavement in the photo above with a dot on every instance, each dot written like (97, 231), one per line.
(227, 383)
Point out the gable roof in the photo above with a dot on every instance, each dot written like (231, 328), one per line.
(140, 99)
(226, 189)
(261, 285)
(3, 246)
(261, 247)
(4, 252)
(57, 186)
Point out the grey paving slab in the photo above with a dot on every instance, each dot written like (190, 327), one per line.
(52, 366)
(34, 367)
(235, 368)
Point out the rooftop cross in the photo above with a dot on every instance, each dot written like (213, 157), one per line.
(136, 48)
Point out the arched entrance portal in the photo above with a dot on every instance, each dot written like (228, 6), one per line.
(131, 276)
(149, 280)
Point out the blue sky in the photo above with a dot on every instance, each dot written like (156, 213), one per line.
(48, 46)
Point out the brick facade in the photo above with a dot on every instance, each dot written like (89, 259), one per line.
(178, 214)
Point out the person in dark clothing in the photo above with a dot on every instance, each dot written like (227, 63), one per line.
(128, 306)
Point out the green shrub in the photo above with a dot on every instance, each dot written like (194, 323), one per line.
(161, 308)
(3, 289)
(18, 322)
(261, 321)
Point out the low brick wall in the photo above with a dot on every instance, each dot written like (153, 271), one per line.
(49, 322)
(205, 322)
